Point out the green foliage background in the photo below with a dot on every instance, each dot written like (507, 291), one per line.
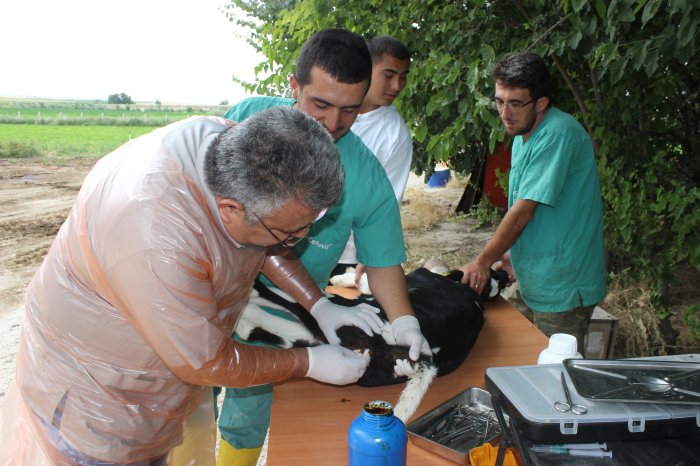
(627, 69)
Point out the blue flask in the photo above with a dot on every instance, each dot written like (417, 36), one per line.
(377, 437)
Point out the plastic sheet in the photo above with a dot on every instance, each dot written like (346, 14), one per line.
(284, 268)
(20, 446)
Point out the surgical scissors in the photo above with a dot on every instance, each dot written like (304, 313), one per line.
(567, 406)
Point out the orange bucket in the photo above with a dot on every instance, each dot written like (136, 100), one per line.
(486, 454)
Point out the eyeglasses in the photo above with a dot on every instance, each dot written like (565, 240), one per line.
(292, 238)
(512, 105)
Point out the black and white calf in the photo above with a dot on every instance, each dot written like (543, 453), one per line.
(450, 314)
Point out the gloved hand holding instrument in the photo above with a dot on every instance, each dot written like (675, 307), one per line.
(336, 364)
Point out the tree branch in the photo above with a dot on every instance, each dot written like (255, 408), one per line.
(564, 74)
(542, 36)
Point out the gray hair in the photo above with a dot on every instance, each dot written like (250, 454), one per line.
(274, 157)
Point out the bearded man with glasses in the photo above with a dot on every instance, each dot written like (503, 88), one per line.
(551, 238)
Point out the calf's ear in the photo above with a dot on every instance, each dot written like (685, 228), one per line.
(501, 277)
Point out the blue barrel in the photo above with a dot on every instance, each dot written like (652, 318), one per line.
(377, 437)
(439, 179)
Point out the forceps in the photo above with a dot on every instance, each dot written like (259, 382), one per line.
(568, 405)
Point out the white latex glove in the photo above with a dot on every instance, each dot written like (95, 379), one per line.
(336, 364)
(406, 330)
(403, 368)
(331, 317)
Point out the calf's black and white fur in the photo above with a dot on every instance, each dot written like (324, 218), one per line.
(450, 314)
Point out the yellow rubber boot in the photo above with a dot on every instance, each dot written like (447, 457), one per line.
(232, 456)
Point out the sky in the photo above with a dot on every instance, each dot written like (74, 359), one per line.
(174, 51)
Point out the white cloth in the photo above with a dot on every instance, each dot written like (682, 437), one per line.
(385, 133)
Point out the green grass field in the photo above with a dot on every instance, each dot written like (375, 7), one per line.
(62, 128)
(68, 141)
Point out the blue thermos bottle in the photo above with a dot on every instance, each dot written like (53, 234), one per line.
(377, 437)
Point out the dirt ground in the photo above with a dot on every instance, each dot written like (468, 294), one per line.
(36, 197)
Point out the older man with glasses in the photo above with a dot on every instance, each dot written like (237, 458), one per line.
(128, 320)
(551, 238)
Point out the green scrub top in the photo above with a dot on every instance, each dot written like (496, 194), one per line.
(559, 259)
(367, 207)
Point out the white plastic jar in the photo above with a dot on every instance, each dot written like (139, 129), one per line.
(561, 346)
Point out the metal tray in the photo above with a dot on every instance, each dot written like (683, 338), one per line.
(646, 381)
(431, 431)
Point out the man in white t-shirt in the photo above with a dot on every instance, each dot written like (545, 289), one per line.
(379, 124)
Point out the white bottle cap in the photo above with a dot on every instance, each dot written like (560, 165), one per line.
(562, 343)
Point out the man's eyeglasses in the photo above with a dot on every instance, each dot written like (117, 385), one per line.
(512, 105)
(292, 238)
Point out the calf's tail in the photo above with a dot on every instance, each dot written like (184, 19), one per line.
(414, 391)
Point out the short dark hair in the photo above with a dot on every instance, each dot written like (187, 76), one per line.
(379, 46)
(525, 70)
(339, 52)
(273, 157)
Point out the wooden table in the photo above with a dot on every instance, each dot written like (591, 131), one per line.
(310, 420)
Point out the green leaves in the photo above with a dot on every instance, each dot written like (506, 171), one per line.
(627, 68)
(575, 39)
(639, 54)
(650, 10)
(600, 8)
(687, 30)
(420, 133)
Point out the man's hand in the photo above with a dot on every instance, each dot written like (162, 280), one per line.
(406, 330)
(331, 317)
(507, 266)
(336, 364)
(476, 275)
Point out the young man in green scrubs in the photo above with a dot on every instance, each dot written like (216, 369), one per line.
(551, 238)
(332, 77)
